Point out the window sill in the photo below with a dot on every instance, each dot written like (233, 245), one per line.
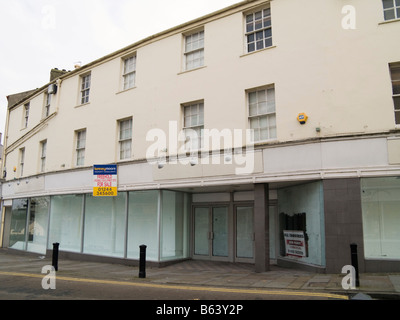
(257, 51)
(195, 69)
(389, 21)
(125, 90)
(82, 105)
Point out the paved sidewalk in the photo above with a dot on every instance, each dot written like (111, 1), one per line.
(210, 274)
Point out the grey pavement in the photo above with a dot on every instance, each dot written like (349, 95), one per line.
(209, 274)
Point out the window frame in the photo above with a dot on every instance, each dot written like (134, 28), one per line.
(43, 155)
(22, 153)
(25, 119)
(395, 91)
(126, 73)
(85, 88)
(259, 115)
(125, 153)
(198, 127)
(192, 51)
(47, 105)
(254, 31)
(395, 7)
(79, 148)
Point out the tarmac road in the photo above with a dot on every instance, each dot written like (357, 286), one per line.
(25, 286)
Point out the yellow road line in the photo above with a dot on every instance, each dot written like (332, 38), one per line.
(184, 287)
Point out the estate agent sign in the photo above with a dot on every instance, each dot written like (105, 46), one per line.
(105, 181)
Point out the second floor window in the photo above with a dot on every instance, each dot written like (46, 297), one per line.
(194, 50)
(258, 30)
(26, 115)
(129, 75)
(262, 114)
(193, 125)
(395, 75)
(85, 88)
(47, 102)
(125, 139)
(391, 9)
(80, 147)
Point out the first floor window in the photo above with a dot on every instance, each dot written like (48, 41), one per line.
(43, 147)
(395, 75)
(262, 118)
(125, 139)
(21, 161)
(391, 9)
(80, 147)
(193, 125)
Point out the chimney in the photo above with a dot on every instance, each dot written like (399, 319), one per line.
(55, 73)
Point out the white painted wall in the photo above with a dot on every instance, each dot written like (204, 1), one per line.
(339, 77)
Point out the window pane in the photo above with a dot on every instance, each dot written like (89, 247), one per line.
(66, 222)
(398, 3)
(396, 103)
(142, 224)
(395, 73)
(387, 4)
(264, 134)
(253, 110)
(251, 47)
(380, 199)
(397, 117)
(174, 221)
(254, 123)
(105, 225)
(396, 87)
(244, 232)
(39, 209)
(389, 14)
(249, 18)
(19, 213)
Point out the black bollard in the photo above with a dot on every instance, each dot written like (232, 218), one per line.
(354, 261)
(142, 262)
(55, 256)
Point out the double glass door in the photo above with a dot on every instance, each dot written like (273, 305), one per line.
(219, 237)
(211, 232)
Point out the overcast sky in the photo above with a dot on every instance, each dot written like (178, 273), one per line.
(38, 35)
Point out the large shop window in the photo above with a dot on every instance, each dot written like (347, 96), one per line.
(143, 224)
(301, 223)
(66, 222)
(28, 229)
(174, 222)
(104, 232)
(381, 217)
